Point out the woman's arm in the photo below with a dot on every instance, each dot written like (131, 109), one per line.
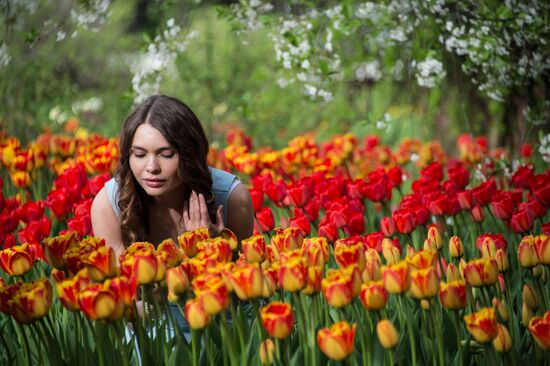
(105, 223)
(240, 214)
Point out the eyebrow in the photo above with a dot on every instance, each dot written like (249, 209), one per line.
(159, 150)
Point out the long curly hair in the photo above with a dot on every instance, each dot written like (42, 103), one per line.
(183, 130)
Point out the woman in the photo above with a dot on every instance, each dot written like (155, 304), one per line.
(163, 185)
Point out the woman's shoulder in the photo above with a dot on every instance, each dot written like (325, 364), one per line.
(222, 180)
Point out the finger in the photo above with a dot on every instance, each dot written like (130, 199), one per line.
(203, 209)
(219, 216)
(185, 214)
(194, 213)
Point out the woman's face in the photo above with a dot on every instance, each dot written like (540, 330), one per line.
(154, 162)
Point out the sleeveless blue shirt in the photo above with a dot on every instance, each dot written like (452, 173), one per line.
(223, 184)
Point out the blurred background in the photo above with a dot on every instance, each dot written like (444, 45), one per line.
(427, 69)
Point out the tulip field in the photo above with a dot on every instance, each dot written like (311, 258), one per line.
(363, 254)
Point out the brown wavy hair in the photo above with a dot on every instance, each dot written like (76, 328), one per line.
(183, 130)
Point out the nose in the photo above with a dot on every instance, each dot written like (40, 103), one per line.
(153, 165)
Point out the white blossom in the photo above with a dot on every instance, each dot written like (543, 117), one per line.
(429, 72)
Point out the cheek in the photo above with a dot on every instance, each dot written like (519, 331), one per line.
(134, 166)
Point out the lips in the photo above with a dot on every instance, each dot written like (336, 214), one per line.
(154, 183)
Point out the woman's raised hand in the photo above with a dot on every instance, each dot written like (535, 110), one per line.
(195, 215)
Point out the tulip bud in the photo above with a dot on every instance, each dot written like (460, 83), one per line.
(530, 298)
(425, 304)
(527, 253)
(435, 237)
(456, 248)
(387, 334)
(503, 340)
(542, 244)
(176, 281)
(502, 260)
(500, 308)
(452, 273)
(526, 314)
(488, 248)
(390, 251)
(267, 348)
(537, 271)
(429, 245)
(410, 251)
(501, 282)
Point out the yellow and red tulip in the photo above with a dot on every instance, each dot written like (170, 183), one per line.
(373, 295)
(453, 295)
(32, 301)
(172, 252)
(254, 249)
(542, 244)
(397, 277)
(481, 272)
(247, 282)
(101, 264)
(55, 248)
(503, 341)
(424, 283)
(177, 281)
(482, 325)
(346, 255)
(18, 260)
(196, 314)
(293, 274)
(337, 287)
(211, 291)
(313, 282)
(336, 342)
(539, 327)
(456, 248)
(188, 241)
(278, 319)
(68, 289)
(527, 252)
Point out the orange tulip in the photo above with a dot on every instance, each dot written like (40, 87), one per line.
(539, 327)
(456, 248)
(373, 295)
(247, 282)
(55, 248)
(387, 334)
(211, 291)
(278, 319)
(68, 290)
(254, 249)
(337, 288)
(336, 342)
(32, 301)
(188, 241)
(481, 272)
(346, 255)
(196, 315)
(527, 252)
(18, 260)
(482, 325)
(453, 295)
(101, 264)
(293, 274)
(171, 252)
(177, 282)
(397, 277)
(424, 283)
(123, 287)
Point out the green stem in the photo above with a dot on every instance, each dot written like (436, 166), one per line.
(120, 339)
(408, 320)
(456, 323)
(194, 346)
(24, 342)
